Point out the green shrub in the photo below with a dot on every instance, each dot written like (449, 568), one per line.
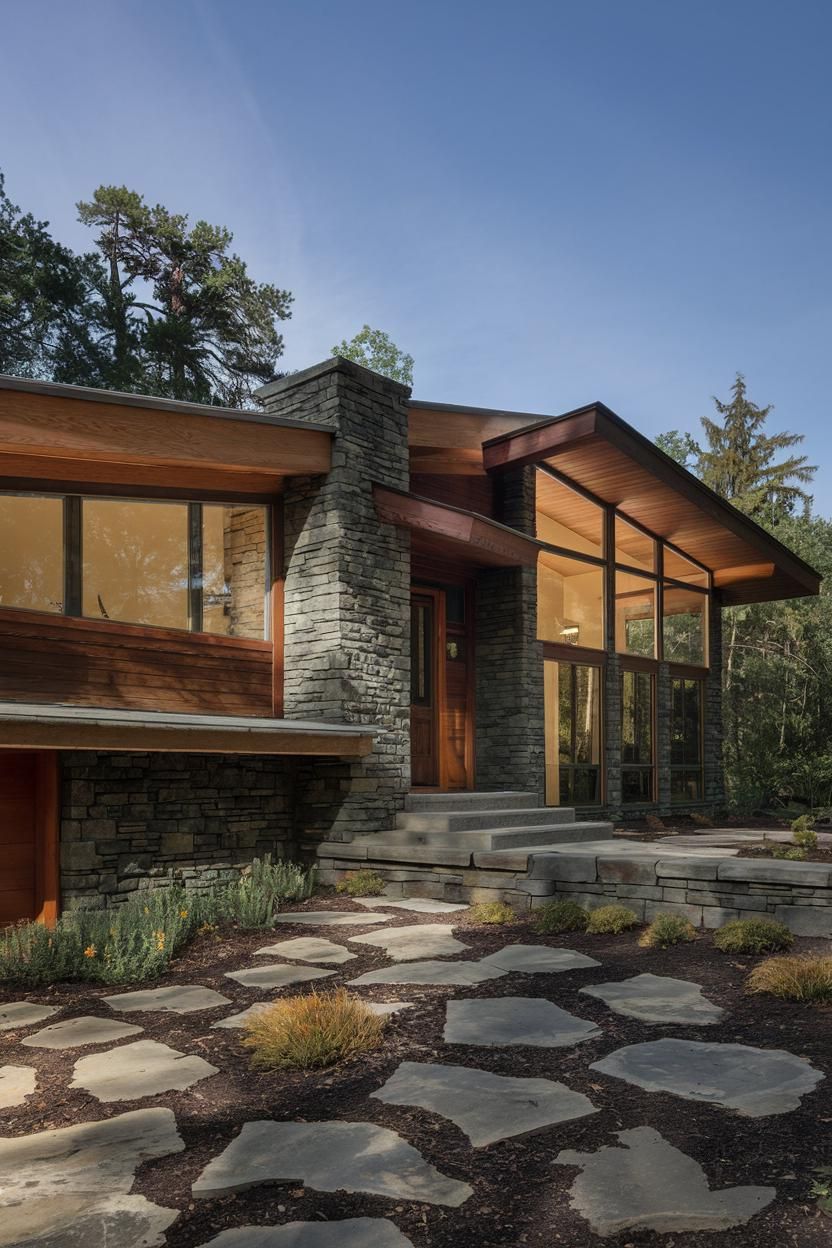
(611, 919)
(492, 912)
(806, 838)
(363, 883)
(305, 1033)
(794, 979)
(667, 930)
(792, 853)
(560, 916)
(803, 823)
(753, 936)
(138, 939)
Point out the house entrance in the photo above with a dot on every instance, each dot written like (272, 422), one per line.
(442, 689)
(28, 836)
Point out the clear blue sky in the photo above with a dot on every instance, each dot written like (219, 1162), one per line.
(545, 203)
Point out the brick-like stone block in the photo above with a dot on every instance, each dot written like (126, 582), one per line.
(652, 909)
(691, 868)
(718, 916)
(806, 920)
(582, 868)
(758, 870)
(627, 870)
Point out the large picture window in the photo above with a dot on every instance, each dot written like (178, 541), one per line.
(635, 615)
(570, 601)
(178, 565)
(573, 734)
(637, 748)
(686, 740)
(685, 625)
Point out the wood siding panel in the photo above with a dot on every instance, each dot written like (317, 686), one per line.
(92, 663)
(471, 493)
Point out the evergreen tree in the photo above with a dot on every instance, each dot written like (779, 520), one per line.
(376, 350)
(680, 446)
(183, 317)
(740, 460)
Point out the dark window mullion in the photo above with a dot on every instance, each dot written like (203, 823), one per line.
(72, 555)
(195, 572)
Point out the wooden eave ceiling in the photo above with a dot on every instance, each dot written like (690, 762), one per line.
(448, 532)
(63, 438)
(605, 455)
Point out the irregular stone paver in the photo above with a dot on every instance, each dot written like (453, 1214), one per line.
(658, 999)
(75, 1032)
(753, 1081)
(329, 1157)
(515, 1020)
(276, 975)
(389, 1007)
(431, 973)
(307, 949)
(73, 1221)
(650, 1185)
(537, 959)
(24, 1014)
(178, 999)
(240, 1019)
(421, 905)
(57, 1182)
(407, 944)
(144, 1068)
(486, 1107)
(16, 1083)
(350, 1233)
(332, 918)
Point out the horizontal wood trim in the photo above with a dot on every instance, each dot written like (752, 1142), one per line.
(574, 654)
(686, 671)
(16, 734)
(635, 663)
(58, 427)
(477, 540)
(56, 659)
(530, 446)
(83, 476)
(472, 493)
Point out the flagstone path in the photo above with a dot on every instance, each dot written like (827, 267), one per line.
(330, 1157)
(73, 1033)
(16, 1083)
(24, 1014)
(70, 1186)
(350, 1233)
(144, 1068)
(177, 999)
(420, 905)
(486, 1107)
(649, 1185)
(756, 1082)
(307, 949)
(658, 999)
(407, 944)
(515, 1020)
(277, 975)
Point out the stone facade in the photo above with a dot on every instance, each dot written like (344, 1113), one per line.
(131, 820)
(347, 595)
(245, 550)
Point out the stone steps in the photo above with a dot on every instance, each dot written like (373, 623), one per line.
(461, 801)
(453, 822)
(472, 840)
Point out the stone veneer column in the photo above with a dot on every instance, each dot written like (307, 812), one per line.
(713, 742)
(510, 746)
(347, 596)
(664, 699)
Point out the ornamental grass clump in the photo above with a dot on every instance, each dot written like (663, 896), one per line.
(308, 1032)
(667, 930)
(793, 979)
(253, 900)
(363, 883)
(611, 920)
(560, 916)
(753, 936)
(492, 913)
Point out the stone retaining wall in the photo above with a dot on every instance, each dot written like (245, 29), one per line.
(708, 891)
(131, 820)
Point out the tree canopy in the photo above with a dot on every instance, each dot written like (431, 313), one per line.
(159, 307)
(376, 350)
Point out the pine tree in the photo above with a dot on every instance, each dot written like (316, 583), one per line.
(740, 460)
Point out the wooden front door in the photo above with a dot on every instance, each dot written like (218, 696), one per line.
(28, 836)
(441, 712)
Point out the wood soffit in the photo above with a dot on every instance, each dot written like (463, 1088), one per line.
(451, 532)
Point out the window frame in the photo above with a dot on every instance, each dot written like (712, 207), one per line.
(572, 766)
(645, 668)
(685, 768)
(72, 553)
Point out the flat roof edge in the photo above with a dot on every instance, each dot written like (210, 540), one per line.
(61, 712)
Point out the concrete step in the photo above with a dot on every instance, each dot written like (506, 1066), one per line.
(478, 820)
(505, 799)
(470, 841)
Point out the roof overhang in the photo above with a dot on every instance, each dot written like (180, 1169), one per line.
(599, 451)
(32, 726)
(453, 533)
(75, 433)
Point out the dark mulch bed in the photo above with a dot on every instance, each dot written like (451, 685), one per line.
(812, 855)
(519, 1197)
